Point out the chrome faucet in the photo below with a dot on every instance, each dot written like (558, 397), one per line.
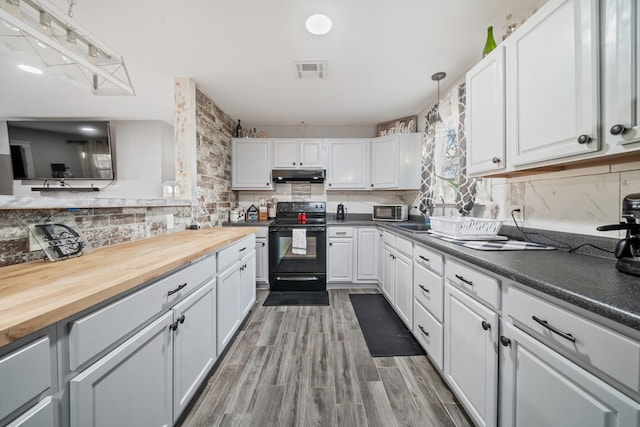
(441, 197)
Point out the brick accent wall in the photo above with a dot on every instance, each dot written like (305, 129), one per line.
(214, 130)
(101, 227)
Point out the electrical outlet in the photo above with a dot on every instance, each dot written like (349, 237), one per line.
(518, 214)
(170, 224)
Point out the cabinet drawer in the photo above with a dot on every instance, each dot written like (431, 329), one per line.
(340, 232)
(429, 333)
(584, 341)
(474, 282)
(38, 416)
(428, 290)
(389, 239)
(24, 374)
(95, 332)
(405, 246)
(262, 232)
(428, 258)
(235, 251)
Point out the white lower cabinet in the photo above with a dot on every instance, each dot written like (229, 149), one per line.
(262, 258)
(471, 354)
(367, 255)
(236, 289)
(130, 386)
(248, 283)
(403, 300)
(228, 310)
(194, 345)
(340, 250)
(539, 387)
(388, 273)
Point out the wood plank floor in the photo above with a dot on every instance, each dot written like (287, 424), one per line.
(310, 366)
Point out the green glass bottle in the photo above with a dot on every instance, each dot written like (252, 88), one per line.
(490, 44)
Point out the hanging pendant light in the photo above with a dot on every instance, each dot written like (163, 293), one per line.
(437, 77)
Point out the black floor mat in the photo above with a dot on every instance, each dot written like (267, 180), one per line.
(385, 333)
(297, 298)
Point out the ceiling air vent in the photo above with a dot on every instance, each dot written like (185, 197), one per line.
(311, 70)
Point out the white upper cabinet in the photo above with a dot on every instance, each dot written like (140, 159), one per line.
(621, 89)
(348, 164)
(294, 154)
(251, 164)
(552, 83)
(395, 161)
(485, 114)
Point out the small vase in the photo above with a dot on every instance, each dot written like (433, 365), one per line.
(490, 43)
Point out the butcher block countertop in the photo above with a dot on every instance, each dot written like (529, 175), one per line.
(38, 294)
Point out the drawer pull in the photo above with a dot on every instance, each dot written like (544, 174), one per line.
(341, 233)
(463, 280)
(423, 258)
(243, 249)
(554, 329)
(176, 289)
(263, 244)
(505, 341)
(174, 326)
(486, 325)
(423, 288)
(423, 331)
(181, 319)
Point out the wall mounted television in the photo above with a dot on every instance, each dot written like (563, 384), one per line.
(60, 150)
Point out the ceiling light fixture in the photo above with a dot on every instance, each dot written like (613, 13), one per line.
(318, 24)
(30, 69)
(41, 21)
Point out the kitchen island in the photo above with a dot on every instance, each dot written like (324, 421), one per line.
(151, 317)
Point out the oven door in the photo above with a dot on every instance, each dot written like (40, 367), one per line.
(295, 269)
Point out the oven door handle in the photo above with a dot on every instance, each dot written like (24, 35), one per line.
(309, 229)
(298, 279)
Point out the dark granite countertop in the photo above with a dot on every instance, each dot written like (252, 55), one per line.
(589, 282)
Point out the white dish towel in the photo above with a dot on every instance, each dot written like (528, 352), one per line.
(299, 241)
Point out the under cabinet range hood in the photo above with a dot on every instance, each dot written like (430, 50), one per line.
(298, 175)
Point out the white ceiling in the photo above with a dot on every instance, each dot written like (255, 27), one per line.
(380, 54)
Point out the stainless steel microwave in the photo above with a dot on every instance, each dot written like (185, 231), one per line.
(390, 213)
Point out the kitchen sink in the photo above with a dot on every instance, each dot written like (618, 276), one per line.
(413, 227)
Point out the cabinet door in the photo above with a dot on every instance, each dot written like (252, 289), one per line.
(404, 289)
(485, 114)
(471, 355)
(229, 285)
(28, 371)
(384, 162)
(348, 164)
(131, 386)
(388, 273)
(248, 271)
(340, 260)
(552, 83)
(310, 154)
(621, 90)
(251, 161)
(285, 154)
(367, 262)
(381, 257)
(539, 387)
(194, 344)
(262, 260)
